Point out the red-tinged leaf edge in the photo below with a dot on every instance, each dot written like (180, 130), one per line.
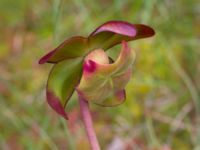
(45, 58)
(53, 101)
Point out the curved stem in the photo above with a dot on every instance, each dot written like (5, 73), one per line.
(87, 120)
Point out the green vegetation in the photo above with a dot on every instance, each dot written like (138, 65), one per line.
(162, 109)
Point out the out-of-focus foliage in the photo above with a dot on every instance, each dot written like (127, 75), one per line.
(162, 107)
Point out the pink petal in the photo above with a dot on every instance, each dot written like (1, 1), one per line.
(113, 32)
(119, 27)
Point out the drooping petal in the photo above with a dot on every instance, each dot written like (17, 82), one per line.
(62, 80)
(104, 83)
(71, 48)
(113, 32)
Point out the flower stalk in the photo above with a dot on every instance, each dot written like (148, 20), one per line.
(87, 120)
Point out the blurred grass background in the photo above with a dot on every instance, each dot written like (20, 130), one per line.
(162, 108)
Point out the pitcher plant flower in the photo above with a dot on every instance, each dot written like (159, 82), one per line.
(81, 64)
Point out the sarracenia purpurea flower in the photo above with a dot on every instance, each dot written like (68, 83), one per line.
(81, 64)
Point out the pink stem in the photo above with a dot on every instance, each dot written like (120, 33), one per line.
(87, 120)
